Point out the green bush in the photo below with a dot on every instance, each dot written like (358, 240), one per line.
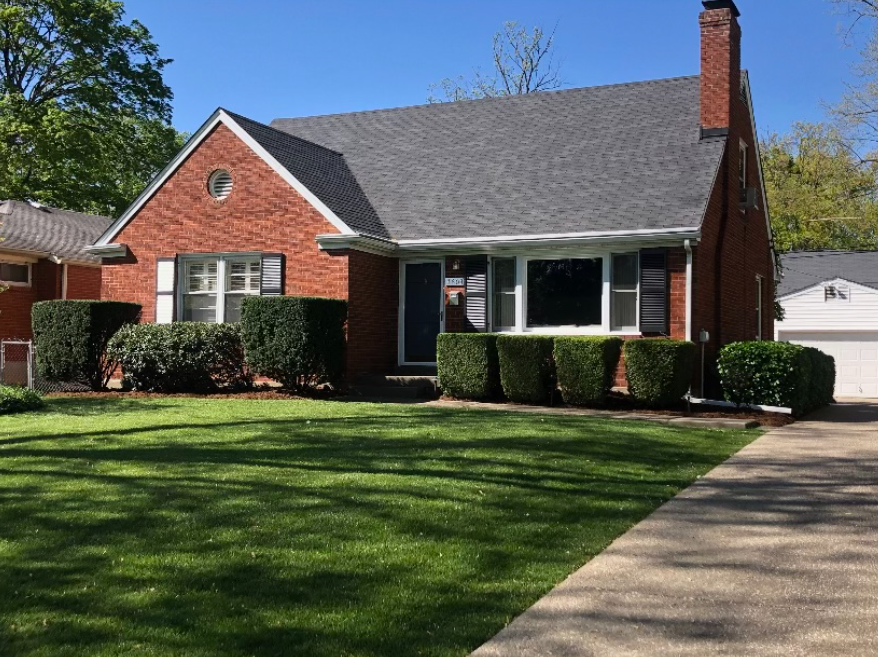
(822, 385)
(586, 367)
(526, 367)
(181, 357)
(15, 399)
(71, 339)
(467, 365)
(659, 371)
(777, 374)
(298, 341)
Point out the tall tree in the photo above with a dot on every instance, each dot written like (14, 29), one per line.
(84, 110)
(523, 63)
(821, 194)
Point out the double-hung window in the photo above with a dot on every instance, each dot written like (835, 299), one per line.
(503, 302)
(215, 286)
(759, 280)
(623, 286)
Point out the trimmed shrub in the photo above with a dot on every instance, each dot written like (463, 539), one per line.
(71, 339)
(777, 374)
(526, 367)
(821, 391)
(181, 357)
(467, 365)
(659, 371)
(586, 367)
(298, 341)
(15, 399)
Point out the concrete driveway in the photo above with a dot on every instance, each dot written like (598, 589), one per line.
(775, 552)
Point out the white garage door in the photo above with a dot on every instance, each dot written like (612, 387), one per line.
(856, 359)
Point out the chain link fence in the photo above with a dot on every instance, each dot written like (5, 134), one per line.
(18, 367)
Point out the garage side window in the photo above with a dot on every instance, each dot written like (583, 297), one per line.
(14, 273)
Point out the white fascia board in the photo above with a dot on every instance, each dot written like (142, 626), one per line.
(108, 250)
(19, 256)
(219, 116)
(759, 165)
(375, 245)
(833, 281)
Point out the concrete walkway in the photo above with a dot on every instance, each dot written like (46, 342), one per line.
(774, 552)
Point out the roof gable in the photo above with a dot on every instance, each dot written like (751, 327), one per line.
(220, 116)
(806, 269)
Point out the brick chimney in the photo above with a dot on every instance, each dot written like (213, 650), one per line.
(720, 62)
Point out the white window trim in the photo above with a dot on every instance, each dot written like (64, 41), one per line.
(30, 274)
(627, 330)
(490, 294)
(604, 328)
(222, 259)
(760, 298)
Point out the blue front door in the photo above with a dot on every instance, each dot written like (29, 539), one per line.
(423, 311)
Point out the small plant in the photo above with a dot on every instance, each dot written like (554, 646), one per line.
(659, 371)
(181, 357)
(586, 367)
(298, 341)
(15, 399)
(527, 370)
(71, 339)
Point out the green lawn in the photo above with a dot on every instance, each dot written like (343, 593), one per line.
(193, 527)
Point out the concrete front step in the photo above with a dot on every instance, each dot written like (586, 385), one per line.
(397, 386)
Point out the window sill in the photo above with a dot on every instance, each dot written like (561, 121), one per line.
(565, 330)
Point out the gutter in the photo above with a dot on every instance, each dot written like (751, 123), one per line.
(108, 250)
(491, 244)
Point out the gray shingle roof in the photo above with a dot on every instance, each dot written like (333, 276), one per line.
(802, 269)
(621, 157)
(63, 233)
(323, 171)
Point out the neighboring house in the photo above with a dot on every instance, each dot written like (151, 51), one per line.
(43, 256)
(830, 301)
(635, 210)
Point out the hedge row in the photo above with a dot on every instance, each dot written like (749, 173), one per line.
(298, 341)
(529, 368)
(777, 374)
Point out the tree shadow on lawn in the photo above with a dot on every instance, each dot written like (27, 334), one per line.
(319, 540)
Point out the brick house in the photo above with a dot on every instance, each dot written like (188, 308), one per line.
(43, 256)
(632, 209)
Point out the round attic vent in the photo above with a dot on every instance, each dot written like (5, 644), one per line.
(220, 184)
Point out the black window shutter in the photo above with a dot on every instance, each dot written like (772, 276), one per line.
(165, 290)
(476, 293)
(654, 291)
(272, 274)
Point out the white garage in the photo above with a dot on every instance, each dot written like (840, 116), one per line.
(830, 301)
(856, 359)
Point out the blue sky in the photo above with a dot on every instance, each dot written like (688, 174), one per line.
(274, 58)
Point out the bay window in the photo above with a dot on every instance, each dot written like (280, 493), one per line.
(215, 286)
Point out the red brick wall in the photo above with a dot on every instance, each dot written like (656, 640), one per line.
(262, 214)
(735, 244)
(83, 282)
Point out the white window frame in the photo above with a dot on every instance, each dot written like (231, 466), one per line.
(490, 288)
(604, 328)
(759, 300)
(627, 330)
(222, 259)
(30, 274)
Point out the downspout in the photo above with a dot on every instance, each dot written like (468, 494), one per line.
(687, 244)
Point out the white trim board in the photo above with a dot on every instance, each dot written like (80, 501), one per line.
(217, 118)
